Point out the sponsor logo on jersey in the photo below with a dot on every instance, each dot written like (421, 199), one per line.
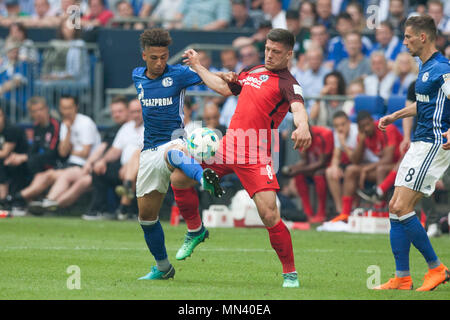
(156, 102)
(264, 77)
(141, 91)
(167, 82)
(446, 77)
(425, 77)
(422, 97)
(252, 81)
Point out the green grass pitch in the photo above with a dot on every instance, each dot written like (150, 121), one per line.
(35, 254)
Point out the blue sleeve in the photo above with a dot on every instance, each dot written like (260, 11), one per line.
(188, 77)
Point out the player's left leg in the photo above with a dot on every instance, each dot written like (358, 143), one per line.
(279, 235)
(403, 207)
(149, 206)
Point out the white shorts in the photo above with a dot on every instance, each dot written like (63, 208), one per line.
(153, 172)
(423, 165)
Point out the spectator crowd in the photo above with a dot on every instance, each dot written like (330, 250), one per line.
(339, 56)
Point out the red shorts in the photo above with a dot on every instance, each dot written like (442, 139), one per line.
(255, 177)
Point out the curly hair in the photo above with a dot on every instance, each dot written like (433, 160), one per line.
(155, 37)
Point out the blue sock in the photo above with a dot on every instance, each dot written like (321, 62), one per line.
(400, 245)
(154, 237)
(418, 236)
(188, 165)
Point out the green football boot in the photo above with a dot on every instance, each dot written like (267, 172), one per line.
(190, 243)
(155, 274)
(291, 280)
(210, 183)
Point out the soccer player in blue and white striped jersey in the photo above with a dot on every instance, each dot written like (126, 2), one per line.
(426, 160)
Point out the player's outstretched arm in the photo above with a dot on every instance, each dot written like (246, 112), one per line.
(212, 80)
(301, 135)
(408, 111)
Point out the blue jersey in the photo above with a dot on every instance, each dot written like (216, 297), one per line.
(433, 107)
(162, 101)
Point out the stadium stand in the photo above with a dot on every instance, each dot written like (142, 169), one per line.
(110, 50)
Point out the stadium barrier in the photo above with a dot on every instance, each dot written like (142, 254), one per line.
(89, 93)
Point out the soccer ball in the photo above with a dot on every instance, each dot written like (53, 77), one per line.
(202, 143)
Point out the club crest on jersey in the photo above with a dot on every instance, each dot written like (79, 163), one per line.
(167, 82)
(425, 77)
(264, 77)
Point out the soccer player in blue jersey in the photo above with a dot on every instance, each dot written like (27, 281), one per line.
(161, 89)
(426, 160)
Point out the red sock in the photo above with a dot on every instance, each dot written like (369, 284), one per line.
(388, 182)
(321, 189)
(280, 239)
(347, 204)
(303, 192)
(187, 201)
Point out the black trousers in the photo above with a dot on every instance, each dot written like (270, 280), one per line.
(18, 177)
(101, 184)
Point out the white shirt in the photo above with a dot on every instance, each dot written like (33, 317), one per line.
(352, 141)
(129, 138)
(374, 87)
(279, 21)
(83, 132)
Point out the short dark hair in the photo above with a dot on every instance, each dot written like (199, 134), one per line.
(344, 16)
(292, 14)
(388, 24)
(155, 37)
(423, 23)
(282, 36)
(340, 114)
(362, 115)
(69, 96)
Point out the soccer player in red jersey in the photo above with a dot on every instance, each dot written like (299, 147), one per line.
(314, 162)
(266, 93)
(383, 152)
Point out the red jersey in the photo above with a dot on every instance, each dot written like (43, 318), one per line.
(382, 139)
(322, 143)
(264, 99)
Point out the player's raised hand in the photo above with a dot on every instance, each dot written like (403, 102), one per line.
(301, 137)
(385, 121)
(446, 146)
(191, 57)
(230, 76)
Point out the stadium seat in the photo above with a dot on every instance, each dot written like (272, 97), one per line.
(373, 104)
(395, 103)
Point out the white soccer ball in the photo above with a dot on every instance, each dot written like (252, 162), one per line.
(202, 143)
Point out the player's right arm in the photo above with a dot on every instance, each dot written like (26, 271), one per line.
(409, 111)
(209, 78)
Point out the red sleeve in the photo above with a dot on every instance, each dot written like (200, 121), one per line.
(105, 16)
(236, 87)
(329, 141)
(290, 89)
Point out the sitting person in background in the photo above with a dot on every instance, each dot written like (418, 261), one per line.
(125, 10)
(357, 65)
(43, 17)
(313, 163)
(345, 135)
(240, 17)
(380, 82)
(14, 78)
(211, 116)
(12, 139)
(108, 171)
(42, 155)
(322, 111)
(355, 88)
(27, 51)
(406, 70)
(165, 13)
(376, 154)
(65, 63)
(204, 15)
(13, 13)
(98, 15)
(387, 42)
(79, 138)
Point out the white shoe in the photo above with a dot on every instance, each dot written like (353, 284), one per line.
(49, 204)
(433, 230)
